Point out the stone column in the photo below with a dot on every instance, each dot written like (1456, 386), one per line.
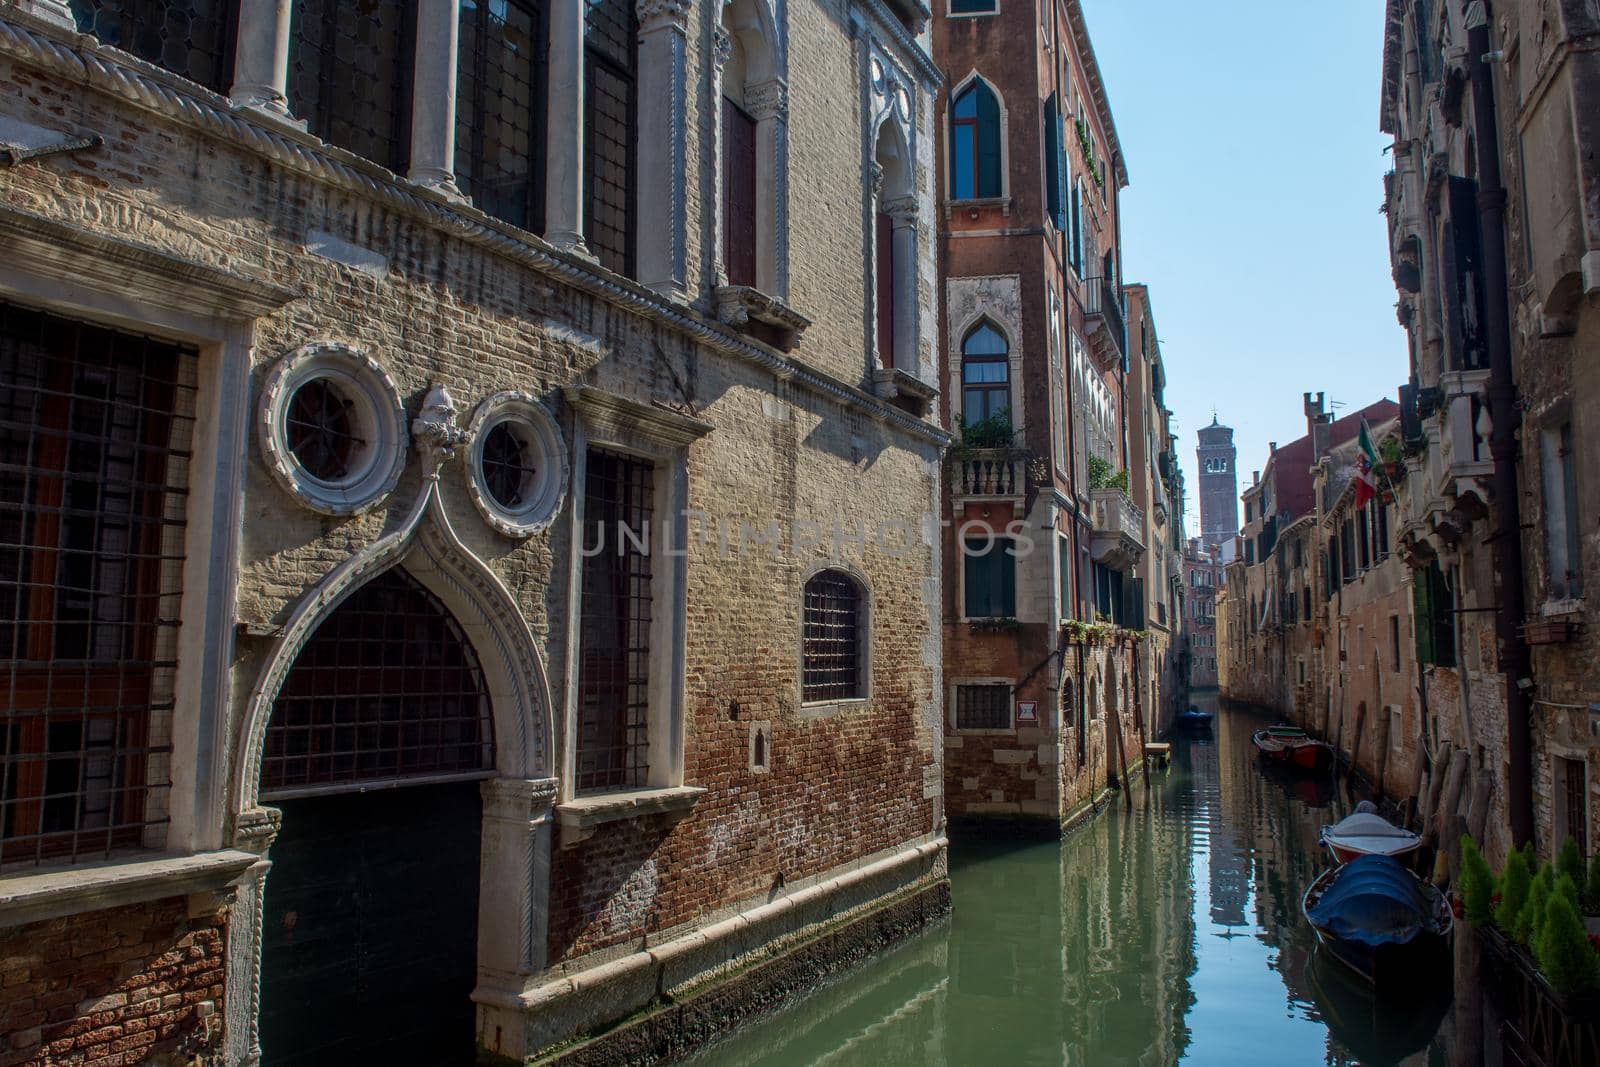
(433, 98)
(261, 58)
(514, 880)
(56, 11)
(721, 52)
(662, 140)
(564, 162)
(902, 212)
(768, 104)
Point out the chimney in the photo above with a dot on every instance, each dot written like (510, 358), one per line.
(1255, 477)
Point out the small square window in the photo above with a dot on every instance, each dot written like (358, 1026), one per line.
(974, 7)
(983, 707)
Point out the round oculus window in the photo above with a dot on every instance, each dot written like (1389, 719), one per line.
(517, 464)
(332, 428)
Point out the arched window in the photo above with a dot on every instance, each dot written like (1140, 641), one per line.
(975, 170)
(985, 374)
(387, 688)
(833, 661)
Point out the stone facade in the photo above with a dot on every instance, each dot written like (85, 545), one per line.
(1218, 461)
(770, 433)
(1496, 261)
(1202, 577)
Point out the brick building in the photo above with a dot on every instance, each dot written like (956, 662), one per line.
(465, 474)
(1218, 461)
(1202, 576)
(1494, 221)
(1042, 536)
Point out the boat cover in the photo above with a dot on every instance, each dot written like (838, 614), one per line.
(1373, 901)
(1364, 832)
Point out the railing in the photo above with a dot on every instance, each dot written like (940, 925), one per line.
(991, 472)
(1115, 514)
(1103, 300)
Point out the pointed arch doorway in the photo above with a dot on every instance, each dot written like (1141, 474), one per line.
(375, 750)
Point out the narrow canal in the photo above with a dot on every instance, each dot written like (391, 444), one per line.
(1169, 932)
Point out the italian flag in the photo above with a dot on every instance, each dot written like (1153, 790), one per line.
(1366, 467)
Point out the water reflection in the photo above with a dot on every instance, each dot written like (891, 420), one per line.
(1165, 932)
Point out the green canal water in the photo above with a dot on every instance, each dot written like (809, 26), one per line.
(1167, 932)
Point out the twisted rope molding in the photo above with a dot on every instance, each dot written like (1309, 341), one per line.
(87, 63)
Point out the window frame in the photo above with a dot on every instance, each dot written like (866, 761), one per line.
(813, 708)
(593, 56)
(998, 544)
(538, 113)
(951, 12)
(1002, 359)
(977, 193)
(952, 704)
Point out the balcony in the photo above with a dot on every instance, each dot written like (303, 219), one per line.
(1118, 540)
(1108, 331)
(1449, 488)
(981, 474)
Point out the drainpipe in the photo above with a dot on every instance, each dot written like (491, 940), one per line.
(1503, 413)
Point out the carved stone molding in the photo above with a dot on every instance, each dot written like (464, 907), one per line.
(618, 418)
(902, 210)
(435, 430)
(518, 799)
(662, 14)
(769, 99)
(374, 408)
(545, 488)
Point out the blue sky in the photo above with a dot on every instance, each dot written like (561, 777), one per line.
(1250, 129)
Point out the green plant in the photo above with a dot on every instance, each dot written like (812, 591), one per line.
(1569, 862)
(1477, 884)
(1525, 928)
(1119, 481)
(993, 431)
(1099, 472)
(1591, 892)
(1515, 881)
(1562, 947)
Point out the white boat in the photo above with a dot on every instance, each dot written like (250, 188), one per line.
(1367, 834)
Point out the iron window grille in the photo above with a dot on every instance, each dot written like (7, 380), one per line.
(386, 689)
(192, 39)
(1575, 787)
(321, 431)
(508, 465)
(609, 131)
(831, 666)
(500, 115)
(983, 707)
(350, 71)
(613, 748)
(95, 436)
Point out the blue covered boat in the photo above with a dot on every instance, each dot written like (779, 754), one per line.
(1380, 920)
(1193, 719)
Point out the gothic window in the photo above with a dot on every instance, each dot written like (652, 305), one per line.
(613, 743)
(985, 374)
(738, 193)
(833, 637)
(387, 689)
(350, 72)
(609, 131)
(191, 38)
(96, 429)
(975, 153)
(500, 109)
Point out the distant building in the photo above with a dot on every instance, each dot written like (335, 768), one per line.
(1219, 484)
(1202, 575)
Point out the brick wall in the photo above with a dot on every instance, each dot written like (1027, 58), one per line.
(114, 987)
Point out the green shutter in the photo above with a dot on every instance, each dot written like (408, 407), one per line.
(1422, 602)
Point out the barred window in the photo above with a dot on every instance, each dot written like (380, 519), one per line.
(387, 688)
(831, 659)
(350, 70)
(983, 707)
(95, 437)
(500, 109)
(613, 749)
(609, 107)
(191, 38)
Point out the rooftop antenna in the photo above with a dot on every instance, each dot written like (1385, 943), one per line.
(1336, 404)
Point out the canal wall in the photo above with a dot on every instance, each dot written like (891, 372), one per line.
(677, 1015)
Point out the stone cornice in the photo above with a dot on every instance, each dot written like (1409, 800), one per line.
(1097, 89)
(889, 24)
(82, 60)
(623, 419)
(72, 253)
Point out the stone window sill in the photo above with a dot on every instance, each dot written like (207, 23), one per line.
(52, 894)
(827, 709)
(578, 818)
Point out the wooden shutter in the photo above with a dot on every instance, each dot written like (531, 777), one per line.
(738, 194)
(1464, 296)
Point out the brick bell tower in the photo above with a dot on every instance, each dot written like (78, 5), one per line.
(1219, 484)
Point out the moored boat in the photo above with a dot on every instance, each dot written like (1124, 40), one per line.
(1367, 834)
(1193, 719)
(1292, 745)
(1380, 920)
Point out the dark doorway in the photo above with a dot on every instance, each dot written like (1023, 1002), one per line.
(369, 937)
